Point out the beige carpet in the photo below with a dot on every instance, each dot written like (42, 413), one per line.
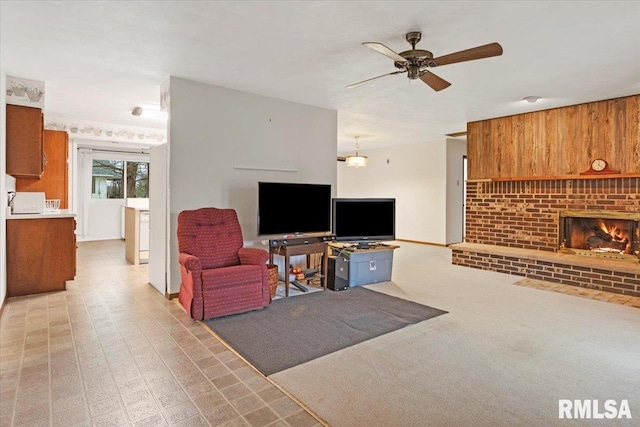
(503, 356)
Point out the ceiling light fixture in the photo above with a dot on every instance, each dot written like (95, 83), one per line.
(150, 112)
(531, 99)
(357, 160)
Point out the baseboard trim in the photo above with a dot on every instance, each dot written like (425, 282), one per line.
(171, 296)
(442, 245)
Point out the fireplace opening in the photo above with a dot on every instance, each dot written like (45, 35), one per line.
(602, 234)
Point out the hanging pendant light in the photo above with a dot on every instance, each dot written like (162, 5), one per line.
(357, 160)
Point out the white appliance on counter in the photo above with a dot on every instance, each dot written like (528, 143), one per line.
(24, 202)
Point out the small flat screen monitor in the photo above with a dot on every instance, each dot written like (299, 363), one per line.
(364, 220)
(291, 208)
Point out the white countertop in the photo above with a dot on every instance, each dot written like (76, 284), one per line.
(62, 213)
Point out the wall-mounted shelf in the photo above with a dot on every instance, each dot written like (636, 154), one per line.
(257, 168)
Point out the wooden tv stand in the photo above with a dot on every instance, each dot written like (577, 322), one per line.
(287, 251)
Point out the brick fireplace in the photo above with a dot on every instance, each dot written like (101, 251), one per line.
(601, 234)
(524, 227)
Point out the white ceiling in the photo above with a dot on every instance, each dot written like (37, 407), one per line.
(100, 59)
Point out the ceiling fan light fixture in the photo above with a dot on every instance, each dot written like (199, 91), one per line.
(357, 160)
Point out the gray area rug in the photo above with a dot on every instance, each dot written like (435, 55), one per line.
(291, 331)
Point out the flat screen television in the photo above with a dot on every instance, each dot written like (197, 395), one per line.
(364, 220)
(291, 208)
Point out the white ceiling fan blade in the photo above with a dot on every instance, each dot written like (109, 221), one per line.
(380, 48)
(373, 78)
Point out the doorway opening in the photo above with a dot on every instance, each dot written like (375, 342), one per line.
(464, 198)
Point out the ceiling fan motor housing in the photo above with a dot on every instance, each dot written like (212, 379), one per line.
(415, 58)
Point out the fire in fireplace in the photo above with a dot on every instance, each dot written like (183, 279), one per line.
(600, 233)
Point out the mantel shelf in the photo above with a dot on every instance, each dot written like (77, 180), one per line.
(558, 177)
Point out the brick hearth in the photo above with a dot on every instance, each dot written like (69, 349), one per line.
(512, 227)
(620, 276)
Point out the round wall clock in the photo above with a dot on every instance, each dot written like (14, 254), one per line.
(598, 165)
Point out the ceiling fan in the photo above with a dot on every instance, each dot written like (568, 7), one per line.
(415, 62)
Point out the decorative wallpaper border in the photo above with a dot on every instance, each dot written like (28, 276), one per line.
(98, 131)
(29, 93)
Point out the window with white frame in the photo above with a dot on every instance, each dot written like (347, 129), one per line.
(119, 179)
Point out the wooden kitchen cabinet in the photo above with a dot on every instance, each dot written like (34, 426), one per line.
(55, 177)
(25, 144)
(41, 255)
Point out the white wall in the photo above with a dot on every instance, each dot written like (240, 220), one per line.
(456, 150)
(105, 220)
(158, 217)
(416, 176)
(216, 132)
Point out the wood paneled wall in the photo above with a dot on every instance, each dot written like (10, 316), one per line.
(557, 142)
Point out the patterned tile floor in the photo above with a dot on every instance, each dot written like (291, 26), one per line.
(581, 292)
(112, 351)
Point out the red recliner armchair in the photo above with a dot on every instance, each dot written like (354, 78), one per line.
(219, 275)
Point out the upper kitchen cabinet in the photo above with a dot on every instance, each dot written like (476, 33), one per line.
(25, 147)
(54, 181)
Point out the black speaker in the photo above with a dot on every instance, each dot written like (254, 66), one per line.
(334, 282)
